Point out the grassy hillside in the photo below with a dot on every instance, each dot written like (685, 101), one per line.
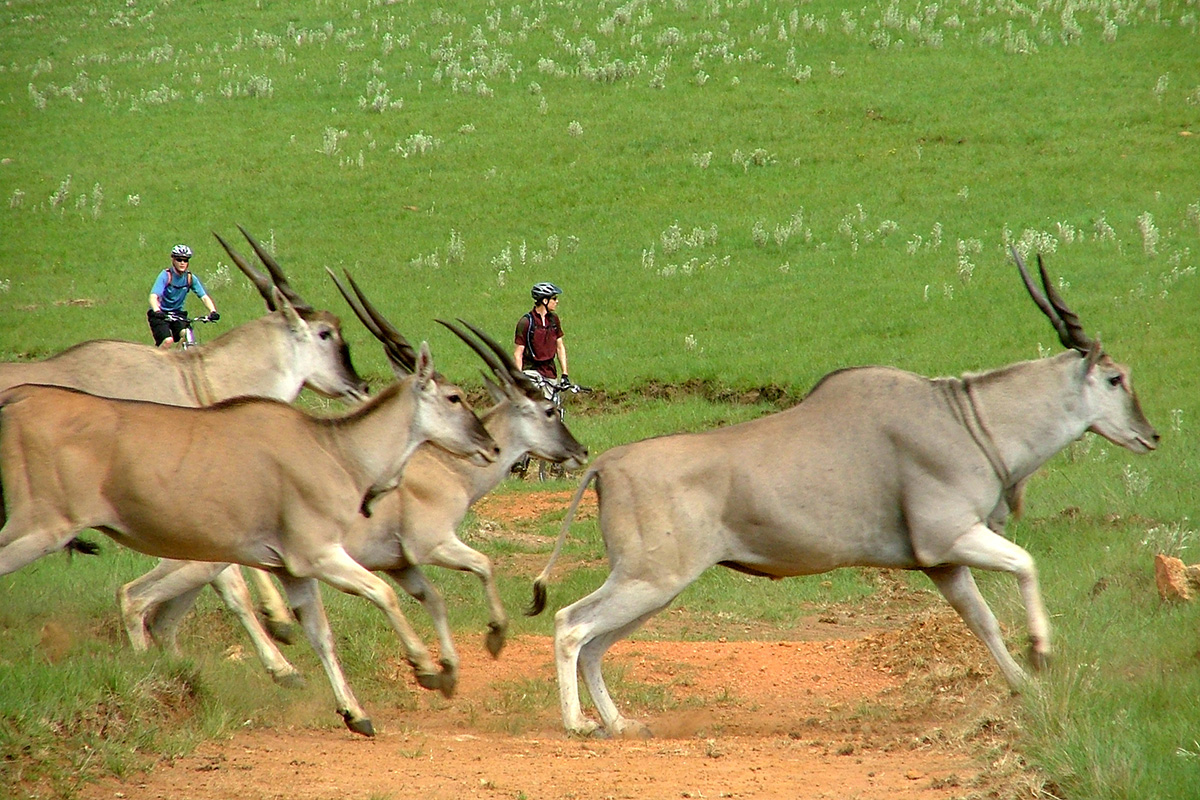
(745, 193)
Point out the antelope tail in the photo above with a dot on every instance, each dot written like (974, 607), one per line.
(83, 546)
(538, 605)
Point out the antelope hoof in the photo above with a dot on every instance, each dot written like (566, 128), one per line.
(495, 639)
(631, 729)
(360, 726)
(449, 683)
(284, 632)
(587, 728)
(1039, 660)
(289, 680)
(430, 680)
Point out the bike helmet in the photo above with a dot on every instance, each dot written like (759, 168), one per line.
(545, 290)
(181, 251)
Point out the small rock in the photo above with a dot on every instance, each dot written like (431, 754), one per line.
(914, 775)
(1171, 576)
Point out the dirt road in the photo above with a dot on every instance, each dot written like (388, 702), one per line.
(913, 710)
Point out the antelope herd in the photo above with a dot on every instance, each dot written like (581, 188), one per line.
(875, 467)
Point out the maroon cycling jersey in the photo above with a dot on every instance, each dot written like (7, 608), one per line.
(541, 342)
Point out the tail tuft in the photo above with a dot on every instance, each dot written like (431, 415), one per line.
(539, 599)
(83, 546)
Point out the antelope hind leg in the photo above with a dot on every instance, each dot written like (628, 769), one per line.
(280, 623)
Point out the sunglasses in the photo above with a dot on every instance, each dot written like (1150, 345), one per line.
(180, 260)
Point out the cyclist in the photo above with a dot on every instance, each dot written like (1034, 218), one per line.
(166, 315)
(539, 336)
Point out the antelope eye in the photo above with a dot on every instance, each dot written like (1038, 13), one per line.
(454, 399)
(1114, 381)
(325, 335)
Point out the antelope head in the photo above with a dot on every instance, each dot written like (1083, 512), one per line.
(537, 424)
(1107, 389)
(442, 407)
(319, 352)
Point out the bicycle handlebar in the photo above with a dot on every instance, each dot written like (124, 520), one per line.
(542, 382)
(175, 315)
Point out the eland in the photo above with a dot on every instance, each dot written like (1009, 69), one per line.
(269, 486)
(276, 356)
(876, 467)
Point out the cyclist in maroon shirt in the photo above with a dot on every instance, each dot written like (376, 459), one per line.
(539, 335)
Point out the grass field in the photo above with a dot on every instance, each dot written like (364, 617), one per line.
(738, 194)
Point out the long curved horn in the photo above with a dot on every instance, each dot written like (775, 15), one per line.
(1065, 322)
(494, 363)
(399, 352)
(505, 357)
(1079, 340)
(276, 273)
(260, 281)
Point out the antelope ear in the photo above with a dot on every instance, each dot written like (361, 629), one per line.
(294, 321)
(424, 370)
(1094, 352)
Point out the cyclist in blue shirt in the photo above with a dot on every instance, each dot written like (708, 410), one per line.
(170, 290)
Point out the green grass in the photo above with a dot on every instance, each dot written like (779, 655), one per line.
(733, 194)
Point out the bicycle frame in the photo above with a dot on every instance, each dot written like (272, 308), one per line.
(553, 390)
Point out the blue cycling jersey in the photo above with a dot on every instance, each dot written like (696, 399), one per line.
(172, 289)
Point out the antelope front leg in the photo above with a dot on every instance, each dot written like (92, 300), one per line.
(231, 586)
(982, 548)
(456, 555)
(342, 572)
(413, 581)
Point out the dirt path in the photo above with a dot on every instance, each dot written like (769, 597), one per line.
(837, 718)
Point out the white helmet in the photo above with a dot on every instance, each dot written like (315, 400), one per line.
(181, 251)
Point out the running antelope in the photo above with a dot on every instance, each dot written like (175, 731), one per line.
(269, 486)
(276, 356)
(876, 467)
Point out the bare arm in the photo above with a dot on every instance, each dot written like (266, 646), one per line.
(154, 304)
(562, 355)
(519, 355)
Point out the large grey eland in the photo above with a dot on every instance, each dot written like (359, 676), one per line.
(269, 486)
(415, 524)
(876, 467)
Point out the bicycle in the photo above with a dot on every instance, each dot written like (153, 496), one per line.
(187, 336)
(554, 391)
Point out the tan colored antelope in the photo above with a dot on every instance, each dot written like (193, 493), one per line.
(276, 356)
(413, 525)
(269, 486)
(876, 467)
